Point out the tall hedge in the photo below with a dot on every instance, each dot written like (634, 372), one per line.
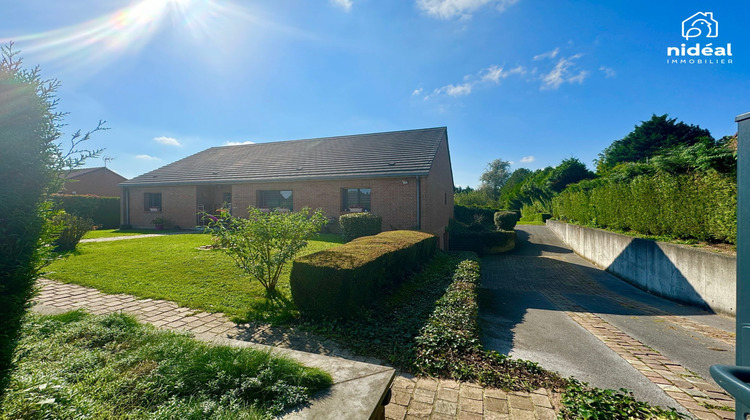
(700, 206)
(103, 211)
(338, 281)
(28, 131)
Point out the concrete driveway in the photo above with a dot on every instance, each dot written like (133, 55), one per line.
(544, 303)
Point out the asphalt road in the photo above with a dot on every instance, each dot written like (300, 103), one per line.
(519, 318)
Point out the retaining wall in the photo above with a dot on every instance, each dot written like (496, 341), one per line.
(676, 272)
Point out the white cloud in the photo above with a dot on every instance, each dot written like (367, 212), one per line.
(548, 54)
(169, 141)
(608, 72)
(146, 157)
(448, 9)
(527, 159)
(492, 74)
(563, 73)
(238, 143)
(344, 4)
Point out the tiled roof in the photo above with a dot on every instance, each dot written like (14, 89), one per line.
(75, 173)
(391, 154)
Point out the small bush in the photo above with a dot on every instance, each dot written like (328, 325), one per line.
(356, 225)
(583, 402)
(103, 211)
(339, 280)
(72, 228)
(505, 220)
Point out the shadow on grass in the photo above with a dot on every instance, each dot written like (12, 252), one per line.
(275, 308)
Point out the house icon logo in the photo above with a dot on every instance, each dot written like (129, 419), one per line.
(700, 24)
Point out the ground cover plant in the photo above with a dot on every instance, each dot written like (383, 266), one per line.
(581, 401)
(173, 267)
(76, 365)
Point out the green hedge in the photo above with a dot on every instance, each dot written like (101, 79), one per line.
(337, 281)
(473, 215)
(356, 225)
(505, 220)
(700, 206)
(104, 211)
(71, 230)
(484, 243)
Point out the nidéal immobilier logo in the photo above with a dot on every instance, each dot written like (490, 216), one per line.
(701, 25)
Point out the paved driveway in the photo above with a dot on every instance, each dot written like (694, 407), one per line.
(544, 303)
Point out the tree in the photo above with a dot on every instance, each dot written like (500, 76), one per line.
(261, 244)
(511, 190)
(30, 166)
(494, 177)
(648, 139)
(569, 171)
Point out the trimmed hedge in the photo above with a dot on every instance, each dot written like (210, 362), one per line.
(473, 215)
(700, 206)
(505, 220)
(104, 211)
(484, 243)
(338, 281)
(357, 225)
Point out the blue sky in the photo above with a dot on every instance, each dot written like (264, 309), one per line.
(528, 81)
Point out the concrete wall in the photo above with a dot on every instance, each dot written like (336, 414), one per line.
(677, 272)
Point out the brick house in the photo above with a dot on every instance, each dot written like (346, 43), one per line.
(403, 176)
(93, 181)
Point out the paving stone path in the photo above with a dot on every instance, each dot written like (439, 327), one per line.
(413, 398)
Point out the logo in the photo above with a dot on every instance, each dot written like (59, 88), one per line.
(700, 24)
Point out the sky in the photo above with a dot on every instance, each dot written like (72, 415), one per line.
(528, 81)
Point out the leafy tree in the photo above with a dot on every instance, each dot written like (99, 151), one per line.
(648, 139)
(511, 191)
(261, 244)
(30, 166)
(494, 177)
(569, 171)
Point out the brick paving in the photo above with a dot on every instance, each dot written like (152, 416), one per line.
(702, 399)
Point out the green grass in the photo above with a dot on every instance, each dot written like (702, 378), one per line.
(76, 365)
(172, 268)
(111, 233)
(530, 222)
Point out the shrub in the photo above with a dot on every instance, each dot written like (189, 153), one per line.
(581, 401)
(71, 230)
(473, 215)
(339, 280)
(356, 225)
(264, 242)
(700, 206)
(481, 241)
(103, 211)
(505, 220)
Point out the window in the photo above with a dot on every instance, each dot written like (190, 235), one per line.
(274, 199)
(355, 199)
(152, 201)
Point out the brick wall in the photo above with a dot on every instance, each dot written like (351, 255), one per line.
(391, 199)
(437, 194)
(102, 182)
(178, 206)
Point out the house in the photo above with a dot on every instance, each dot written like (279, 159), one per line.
(403, 176)
(100, 181)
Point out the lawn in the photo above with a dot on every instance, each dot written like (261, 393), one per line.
(110, 233)
(76, 365)
(173, 268)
